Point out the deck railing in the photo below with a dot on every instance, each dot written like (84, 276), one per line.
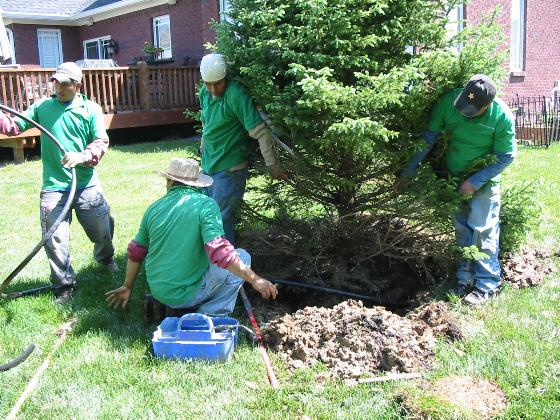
(119, 89)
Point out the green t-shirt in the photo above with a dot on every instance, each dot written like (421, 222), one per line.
(174, 229)
(74, 126)
(226, 120)
(473, 138)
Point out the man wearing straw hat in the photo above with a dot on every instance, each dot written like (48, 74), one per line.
(79, 126)
(188, 261)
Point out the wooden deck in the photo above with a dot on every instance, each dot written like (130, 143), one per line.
(129, 96)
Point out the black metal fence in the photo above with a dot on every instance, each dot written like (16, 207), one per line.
(537, 119)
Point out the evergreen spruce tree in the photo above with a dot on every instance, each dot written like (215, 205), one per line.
(340, 84)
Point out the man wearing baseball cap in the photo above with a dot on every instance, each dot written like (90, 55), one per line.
(479, 125)
(228, 114)
(188, 261)
(79, 126)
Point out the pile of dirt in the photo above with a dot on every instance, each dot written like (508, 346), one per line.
(352, 340)
(438, 317)
(526, 268)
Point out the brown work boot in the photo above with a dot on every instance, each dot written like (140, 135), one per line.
(160, 311)
(148, 304)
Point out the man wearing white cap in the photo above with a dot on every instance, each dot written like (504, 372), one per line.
(188, 262)
(79, 126)
(228, 114)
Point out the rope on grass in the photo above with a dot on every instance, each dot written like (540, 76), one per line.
(62, 333)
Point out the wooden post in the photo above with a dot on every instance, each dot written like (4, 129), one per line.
(19, 157)
(144, 86)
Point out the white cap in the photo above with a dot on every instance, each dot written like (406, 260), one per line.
(213, 68)
(68, 72)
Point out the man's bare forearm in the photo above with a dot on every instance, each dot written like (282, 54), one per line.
(132, 270)
(243, 271)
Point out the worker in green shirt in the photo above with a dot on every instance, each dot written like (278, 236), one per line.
(228, 115)
(188, 262)
(79, 126)
(478, 125)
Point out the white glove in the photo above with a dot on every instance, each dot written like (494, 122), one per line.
(71, 159)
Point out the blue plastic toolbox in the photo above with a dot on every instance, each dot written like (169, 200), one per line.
(196, 336)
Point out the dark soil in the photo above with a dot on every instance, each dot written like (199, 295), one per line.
(353, 341)
(438, 317)
(306, 327)
(526, 268)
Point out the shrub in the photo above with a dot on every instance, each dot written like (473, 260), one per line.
(520, 213)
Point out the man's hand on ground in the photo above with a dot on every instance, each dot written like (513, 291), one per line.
(467, 188)
(71, 159)
(265, 288)
(276, 172)
(118, 296)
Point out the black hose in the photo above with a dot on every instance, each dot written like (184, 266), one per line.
(21, 358)
(60, 218)
(325, 289)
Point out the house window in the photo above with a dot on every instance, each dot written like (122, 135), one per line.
(225, 7)
(517, 48)
(455, 24)
(162, 35)
(50, 47)
(97, 48)
(10, 34)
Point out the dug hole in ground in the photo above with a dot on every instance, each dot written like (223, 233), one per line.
(354, 339)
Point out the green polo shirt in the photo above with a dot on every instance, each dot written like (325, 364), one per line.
(75, 126)
(226, 120)
(473, 138)
(174, 229)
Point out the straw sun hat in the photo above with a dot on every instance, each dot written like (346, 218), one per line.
(186, 171)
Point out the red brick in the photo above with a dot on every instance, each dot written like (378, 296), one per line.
(542, 55)
(190, 30)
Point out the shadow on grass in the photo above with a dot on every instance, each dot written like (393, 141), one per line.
(124, 327)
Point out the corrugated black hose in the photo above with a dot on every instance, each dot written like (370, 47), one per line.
(42, 242)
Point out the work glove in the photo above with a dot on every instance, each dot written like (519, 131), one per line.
(276, 172)
(71, 159)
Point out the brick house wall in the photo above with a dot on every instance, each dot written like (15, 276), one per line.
(27, 47)
(190, 30)
(542, 48)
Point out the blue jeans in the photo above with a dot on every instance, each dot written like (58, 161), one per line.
(93, 213)
(480, 226)
(228, 189)
(218, 290)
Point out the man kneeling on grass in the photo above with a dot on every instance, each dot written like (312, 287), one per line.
(189, 262)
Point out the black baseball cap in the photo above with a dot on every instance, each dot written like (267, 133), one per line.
(478, 92)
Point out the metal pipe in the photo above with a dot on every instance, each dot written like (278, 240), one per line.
(251, 315)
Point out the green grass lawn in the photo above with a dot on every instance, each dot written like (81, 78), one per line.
(105, 367)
